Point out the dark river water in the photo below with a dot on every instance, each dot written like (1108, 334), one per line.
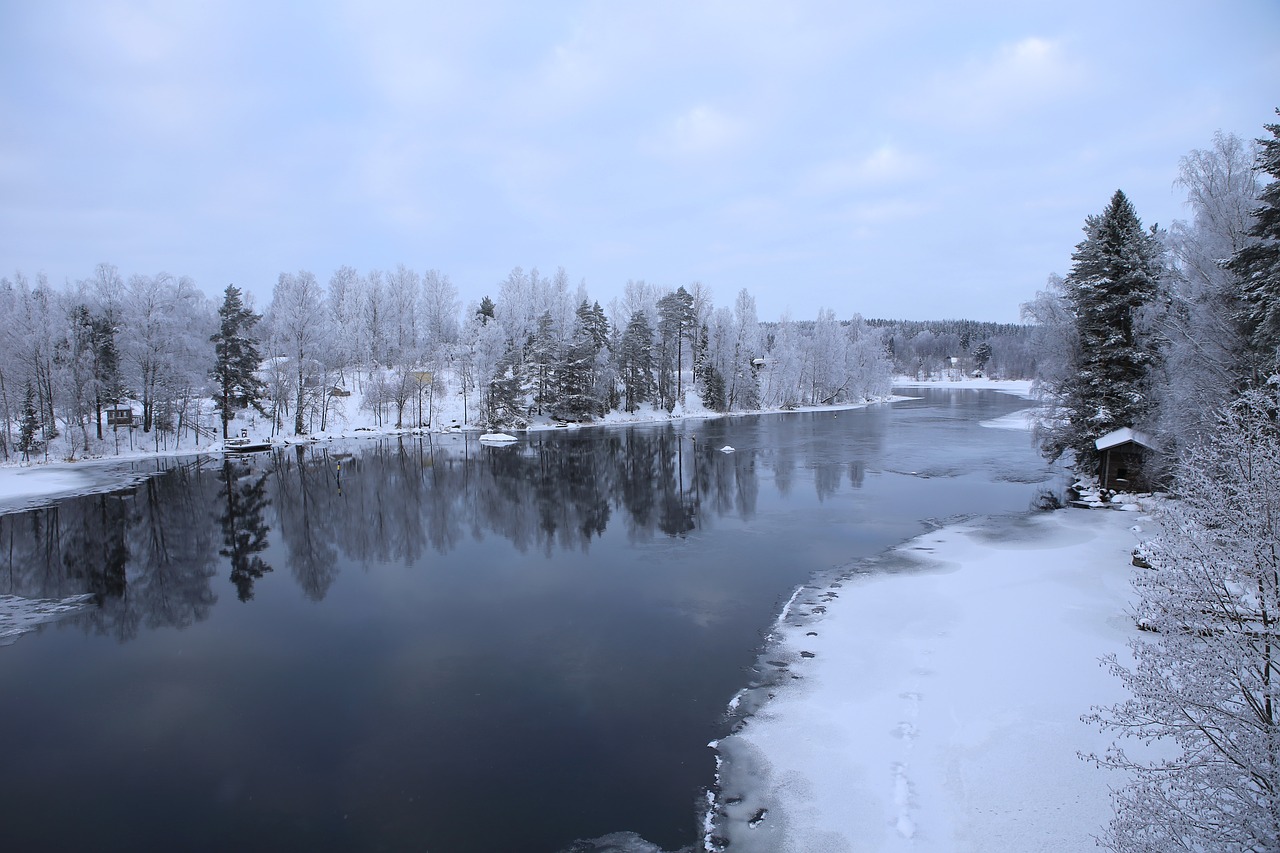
(427, 644)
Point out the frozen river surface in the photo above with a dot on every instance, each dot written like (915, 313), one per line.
(430, 644)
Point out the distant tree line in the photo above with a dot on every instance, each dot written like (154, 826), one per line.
(959, 348)
(538, 346)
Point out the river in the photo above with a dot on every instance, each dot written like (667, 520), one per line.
(428, 644)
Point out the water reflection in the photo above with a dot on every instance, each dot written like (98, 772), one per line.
(561, 621)
(150, 554)
(244, 530)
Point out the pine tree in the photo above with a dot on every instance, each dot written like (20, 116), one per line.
(544, 363)
(676, 321)
(30, 425)
(110, 381)
(237, 358)
(1258, 264)
(576, 385)
(635, 361)
(1114, 276)
(506, 392)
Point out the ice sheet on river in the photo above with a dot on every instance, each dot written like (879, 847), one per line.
(19, 615)
(28, 487)
(930, 699)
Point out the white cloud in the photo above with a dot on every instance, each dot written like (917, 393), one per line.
(883, 166)
(698, 132)
(1031, 73)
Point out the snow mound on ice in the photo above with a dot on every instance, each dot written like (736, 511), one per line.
(498, 437)
(726, 449)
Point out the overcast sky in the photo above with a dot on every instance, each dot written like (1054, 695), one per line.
(931, 160)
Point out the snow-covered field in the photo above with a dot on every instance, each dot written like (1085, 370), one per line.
(931, 701)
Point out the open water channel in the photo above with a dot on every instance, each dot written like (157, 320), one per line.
(427, 644)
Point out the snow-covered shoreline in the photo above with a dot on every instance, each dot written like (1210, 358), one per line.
(931, 698)
(25, 485)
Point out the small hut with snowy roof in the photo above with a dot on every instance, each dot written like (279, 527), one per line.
(1122, 457)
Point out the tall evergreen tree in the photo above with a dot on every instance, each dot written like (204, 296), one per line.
(635, 361)
(506, 397)
(576, 380)
(237, 358)
(1114, 276)
(110, 388)
(676, 322)
(27, 441)
(1258, 263)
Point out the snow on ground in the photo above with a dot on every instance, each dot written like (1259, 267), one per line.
(931, 699)
(19, 615)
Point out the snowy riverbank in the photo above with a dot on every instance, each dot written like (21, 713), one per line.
(932, 699)
(24, 485)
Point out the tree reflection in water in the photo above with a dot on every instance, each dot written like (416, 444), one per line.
(149, 554)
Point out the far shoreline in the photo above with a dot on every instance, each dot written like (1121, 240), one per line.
(31, 484)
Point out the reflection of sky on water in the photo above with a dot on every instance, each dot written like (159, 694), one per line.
(438, 627)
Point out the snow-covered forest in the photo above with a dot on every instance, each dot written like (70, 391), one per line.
(539, 346)
(1176, 334)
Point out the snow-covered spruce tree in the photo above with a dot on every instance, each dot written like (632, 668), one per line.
(1208, 679)
(1114, 275)
(30, 425)
(635, 361)
(236, 358)
(1258, 263)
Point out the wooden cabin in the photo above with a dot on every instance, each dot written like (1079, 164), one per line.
(1122, 459)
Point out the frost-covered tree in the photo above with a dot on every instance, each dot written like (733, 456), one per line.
(342, 303)
(403, 288)
(785, 373)
(236, 358)
(439, 311)
(1114, 277)
(825, 362)
(1208, 679)
(299, 331)
(866, 362)
(1207, 354)
(1258, 263)
(376, 318)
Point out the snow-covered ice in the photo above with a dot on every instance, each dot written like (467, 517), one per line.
(931, 700)
(19, 615)
(498, 437)
(29, 486)
(1020, 419)
(1017, 387)
(727, 449)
